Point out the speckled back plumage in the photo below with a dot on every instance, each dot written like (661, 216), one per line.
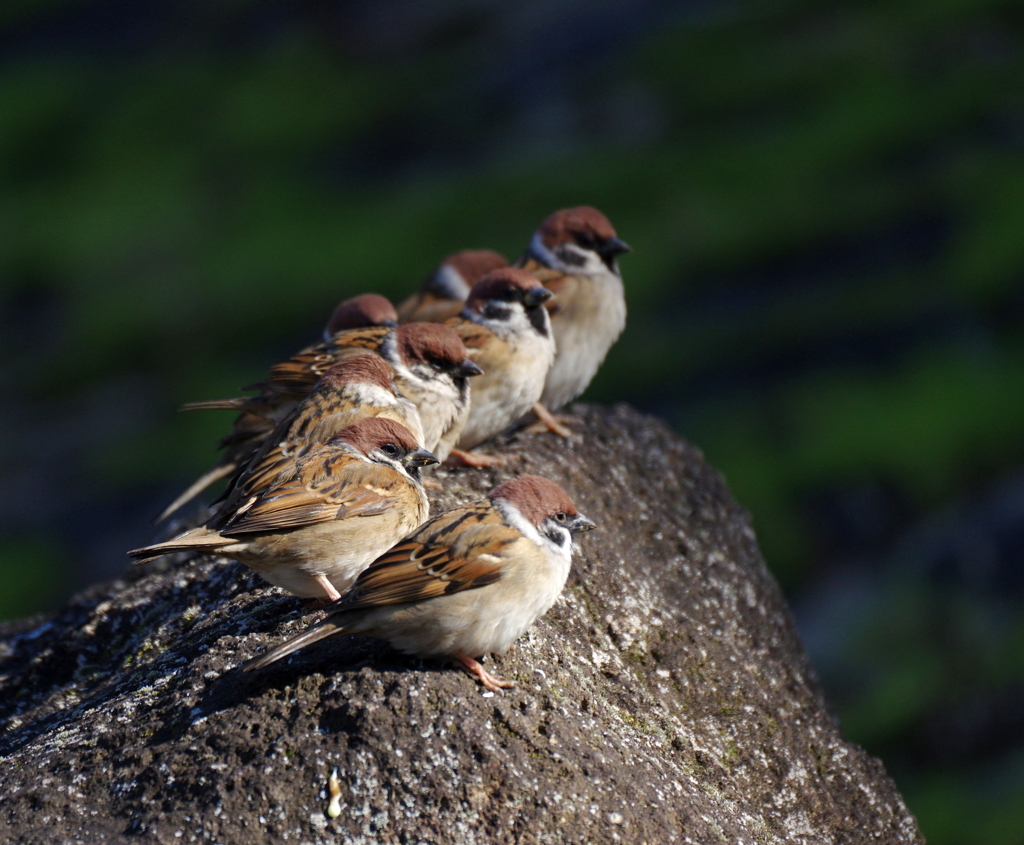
(359, 387)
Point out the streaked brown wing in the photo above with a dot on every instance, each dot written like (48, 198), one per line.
(288, 442)
(437, 560)
(474, 337)
(257, 475)
(420, 299)
(544, 274)
(430, 308)
(300, 373)
(324, 487)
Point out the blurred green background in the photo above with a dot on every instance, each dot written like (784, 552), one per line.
(826, 203)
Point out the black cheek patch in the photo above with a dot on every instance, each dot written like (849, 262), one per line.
(555, 535)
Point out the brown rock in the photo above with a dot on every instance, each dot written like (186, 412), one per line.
(665, 698)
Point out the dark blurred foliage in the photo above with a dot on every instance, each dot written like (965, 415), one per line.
(826, 202)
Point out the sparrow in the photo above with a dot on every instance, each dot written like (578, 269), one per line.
(316, 524)
(506, 329)
(368, 309)
(431, 370)
(444, 292)
(353, 389)
(574, 254)
(257, 419)
(467, 583)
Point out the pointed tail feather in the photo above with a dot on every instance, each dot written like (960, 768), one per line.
(216, 404)
(198, 486)
(325, 629)
(141, 560)
(198, 539)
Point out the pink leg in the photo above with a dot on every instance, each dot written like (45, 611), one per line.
(475, 459)
(546, 421)
(327, 587)
(473, 667)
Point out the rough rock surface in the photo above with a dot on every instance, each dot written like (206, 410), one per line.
(665, 698)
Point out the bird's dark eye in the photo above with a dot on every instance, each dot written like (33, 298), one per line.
(560, 517)
(390, 449)
(586, 241)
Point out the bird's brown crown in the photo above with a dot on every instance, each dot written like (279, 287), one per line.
(431, 342)
(536, 497)
(374, 432)
(583, 224)
(505, 284)
(369, 309)
(474, 264)
(359, 369)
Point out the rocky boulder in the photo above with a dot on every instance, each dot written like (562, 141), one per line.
(665, 698)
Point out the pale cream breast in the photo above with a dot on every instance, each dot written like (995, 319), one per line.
(585, 329)
(514, 372)
(474, 622)
(438, 411)
(339, 549)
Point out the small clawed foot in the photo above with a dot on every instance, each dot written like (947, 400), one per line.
(474, 668)
(474, 459)
(546, 421)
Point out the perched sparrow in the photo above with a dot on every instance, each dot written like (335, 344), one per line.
(368, 309)
(431, 370)
(431, 365)
(443, 293)
(313, 527)
(506, 329)
(573, 253)
(353, 389)
(257, 419)
(467, 583)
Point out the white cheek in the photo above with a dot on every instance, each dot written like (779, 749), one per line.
(518, 320)
(556, 539)
(592, 264)
(562, 551)
(424, 375)
(443, 384)
(518, 521)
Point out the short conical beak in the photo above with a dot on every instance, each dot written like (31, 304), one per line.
(419, 458)
(536, 296)
(580, 523)
(613, 247)
(468, 368)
